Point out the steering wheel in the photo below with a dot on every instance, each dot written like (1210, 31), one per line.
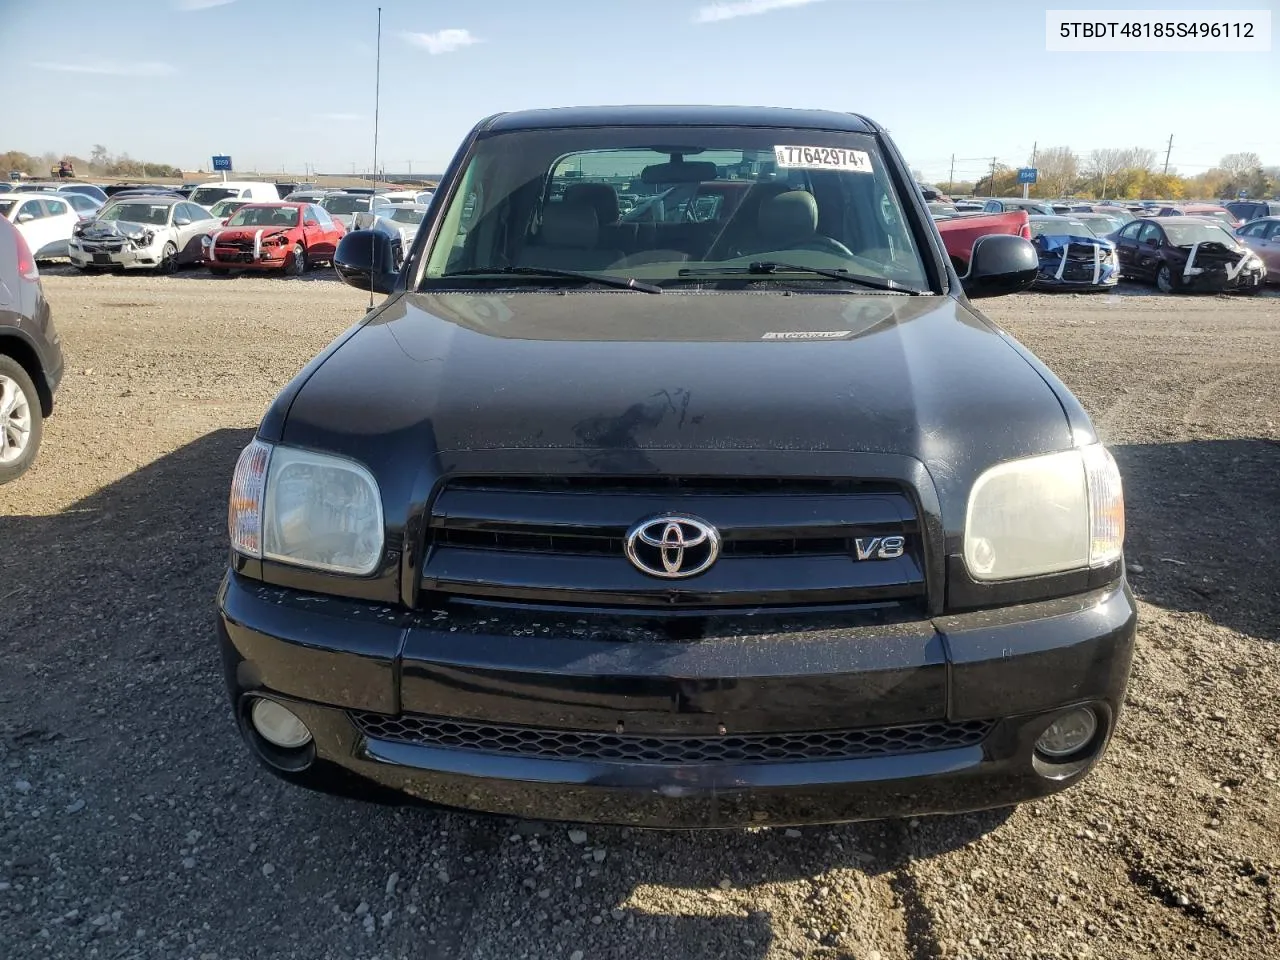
(823, 244)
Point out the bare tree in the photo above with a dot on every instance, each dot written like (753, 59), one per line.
(1058, 170)
(1237, 165)
(1138, 158)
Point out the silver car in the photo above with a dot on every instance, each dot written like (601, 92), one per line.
(141, 233)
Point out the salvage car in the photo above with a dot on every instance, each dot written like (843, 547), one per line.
(1187, 254)
(45, 221)
(141, 233)
(1006, 204)
(31, 361)
(1072, 257)
(1248, 210)
(697, 524)
(1102, 224)
(343, 205)
(1263, 238)
(292, 237)
(1203, 210)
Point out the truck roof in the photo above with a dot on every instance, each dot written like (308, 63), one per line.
(701, 116)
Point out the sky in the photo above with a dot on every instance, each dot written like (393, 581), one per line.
(288, 85)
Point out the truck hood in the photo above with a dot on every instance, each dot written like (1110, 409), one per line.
(600, 382)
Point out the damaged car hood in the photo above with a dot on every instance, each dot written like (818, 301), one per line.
(613, 382)
(111, 229)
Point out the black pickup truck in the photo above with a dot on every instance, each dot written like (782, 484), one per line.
(742, 517)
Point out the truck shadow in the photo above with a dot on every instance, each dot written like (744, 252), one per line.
(111, 678)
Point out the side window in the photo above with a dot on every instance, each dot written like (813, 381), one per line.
(33, 209)
(321, 215)
(1274, 233)
(57, 208)
(1130, 232)
(991, 206)
(1255, 229)
(192, 213)
(1150, 233)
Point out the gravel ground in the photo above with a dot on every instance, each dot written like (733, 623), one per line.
(134, 825)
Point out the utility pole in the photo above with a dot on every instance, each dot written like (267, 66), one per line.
(991, 187)
(1166, 155)
(951, 177)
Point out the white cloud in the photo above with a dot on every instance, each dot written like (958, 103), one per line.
(339, 116)
(112, 68)
(715, 12)
(442, 41)
(200, 4)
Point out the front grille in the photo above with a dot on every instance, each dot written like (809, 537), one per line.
(233, 256)
(548, 744)
(561, 540)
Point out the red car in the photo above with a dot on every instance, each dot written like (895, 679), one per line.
(273, 236)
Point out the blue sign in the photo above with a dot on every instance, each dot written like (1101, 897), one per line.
(1027, 174)
(222, 163)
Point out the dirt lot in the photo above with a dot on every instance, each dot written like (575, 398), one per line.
(134, 825)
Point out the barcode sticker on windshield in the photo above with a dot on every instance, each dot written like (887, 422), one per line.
(823, 158)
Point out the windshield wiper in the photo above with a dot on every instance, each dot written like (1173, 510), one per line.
(605, 279)
(767, 268)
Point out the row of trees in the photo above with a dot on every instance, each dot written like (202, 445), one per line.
(100, 163)
(1127, 173)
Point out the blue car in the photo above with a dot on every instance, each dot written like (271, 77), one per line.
(1072, 257)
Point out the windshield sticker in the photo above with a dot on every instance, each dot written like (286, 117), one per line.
(823, 158)
(807, 335)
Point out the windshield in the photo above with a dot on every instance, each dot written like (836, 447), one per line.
(208, 196)
(264, 217)
(225, 208)
(709, 203)
(1101, 224)
(341, 203)
(406, 215)
(1186, 233)
(1221, 215)
(1059, 227)
(135, 212)
(6, 205)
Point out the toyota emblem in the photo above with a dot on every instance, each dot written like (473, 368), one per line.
(672, 546)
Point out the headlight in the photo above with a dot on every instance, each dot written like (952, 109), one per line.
(307, 509)
(206, 241)
(1047, 514)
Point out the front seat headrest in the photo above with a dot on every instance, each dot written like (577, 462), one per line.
(599, 196)
(566, 224)
(788, 218)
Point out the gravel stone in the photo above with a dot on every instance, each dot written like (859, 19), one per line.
(578, 836)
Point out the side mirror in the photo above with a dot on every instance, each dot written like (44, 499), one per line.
(1002, 263)
(366, 259)
(311, 223)
(182, 221)
(25, 218)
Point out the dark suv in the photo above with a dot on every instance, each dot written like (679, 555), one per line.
(743, 519)
(30, 355)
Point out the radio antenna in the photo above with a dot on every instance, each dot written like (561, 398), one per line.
(377, 101)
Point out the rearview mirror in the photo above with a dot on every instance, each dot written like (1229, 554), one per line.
(1002, 263)
(366, 259)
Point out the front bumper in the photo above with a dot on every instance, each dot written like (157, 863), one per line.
(336, 663)
(1216, 280)
(111, 256)
(267, 260)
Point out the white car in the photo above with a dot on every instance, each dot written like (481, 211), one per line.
(344, 207)
(403, 216)
(44, 220)
(143, 233)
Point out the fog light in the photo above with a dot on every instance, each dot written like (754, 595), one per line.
(1068, 733)
(278, 725)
